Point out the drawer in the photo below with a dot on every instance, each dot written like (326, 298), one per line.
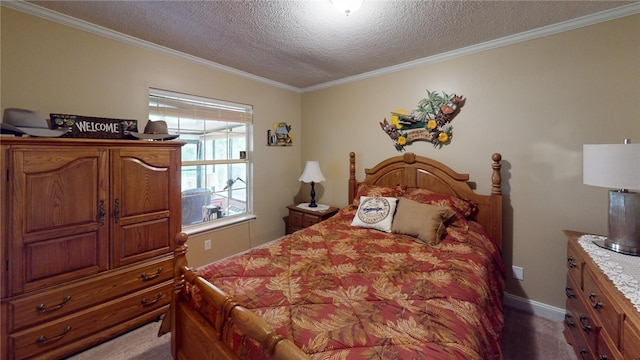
(607, 314)
(605, 350)
(572, 325)
(630, 341)
(295, 218)
(309, 220)
(70, 329)
(49, 305)
(574, 264)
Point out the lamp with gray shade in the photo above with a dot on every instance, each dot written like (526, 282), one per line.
(312, 174)
(617, 166)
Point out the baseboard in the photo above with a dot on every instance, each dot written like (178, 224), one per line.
(533, 307)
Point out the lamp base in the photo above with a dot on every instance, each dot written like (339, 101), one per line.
(624, 223)
(601, 243)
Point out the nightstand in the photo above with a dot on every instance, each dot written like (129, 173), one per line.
(300, 218)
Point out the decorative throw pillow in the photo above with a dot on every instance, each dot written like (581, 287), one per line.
(365, 189)
(465, 208)
(422, 221)
(375, 212)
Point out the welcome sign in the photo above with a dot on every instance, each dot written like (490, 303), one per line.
(94, 127)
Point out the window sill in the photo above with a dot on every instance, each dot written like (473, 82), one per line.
(217, 224)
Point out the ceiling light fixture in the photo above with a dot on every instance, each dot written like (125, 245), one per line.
(347, 7)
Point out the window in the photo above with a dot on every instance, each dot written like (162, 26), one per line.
(216, 166)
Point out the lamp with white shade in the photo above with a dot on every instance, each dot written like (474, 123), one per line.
(617, 166)
(312, 174)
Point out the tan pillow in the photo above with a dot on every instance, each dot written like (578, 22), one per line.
(422, 221)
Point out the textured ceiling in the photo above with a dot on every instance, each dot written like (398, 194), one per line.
(307, 43)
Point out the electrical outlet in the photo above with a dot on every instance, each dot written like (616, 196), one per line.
(517, 272)
(207, 244)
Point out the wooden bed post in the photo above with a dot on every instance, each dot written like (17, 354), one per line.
(179, 260)
(496, 178)
(353, 183)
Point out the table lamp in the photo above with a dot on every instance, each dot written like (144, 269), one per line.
(312, 174)
(617, 166)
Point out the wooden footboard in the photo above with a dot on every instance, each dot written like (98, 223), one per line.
(194, 337)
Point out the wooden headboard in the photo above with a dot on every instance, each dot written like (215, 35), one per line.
(415, 171)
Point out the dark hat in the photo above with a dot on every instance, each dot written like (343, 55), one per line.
(28, 122)
(155, 130)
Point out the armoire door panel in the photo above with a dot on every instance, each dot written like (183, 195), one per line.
(58, 196)
(144, 180)
(140, 241)
(59, 260)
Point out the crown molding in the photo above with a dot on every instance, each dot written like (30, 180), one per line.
(596, 18)
(70, 21)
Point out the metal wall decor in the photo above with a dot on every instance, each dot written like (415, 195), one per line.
(431, 121)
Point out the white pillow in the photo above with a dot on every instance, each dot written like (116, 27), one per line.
(375, 212)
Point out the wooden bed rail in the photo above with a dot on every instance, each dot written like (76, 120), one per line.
(248, 322)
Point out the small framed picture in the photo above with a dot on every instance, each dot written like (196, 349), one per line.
(243, 155)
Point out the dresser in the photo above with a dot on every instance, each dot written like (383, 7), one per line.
(87, 233)
(300, 218)
(600, 322)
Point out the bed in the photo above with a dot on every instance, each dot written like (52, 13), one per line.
(341, 289)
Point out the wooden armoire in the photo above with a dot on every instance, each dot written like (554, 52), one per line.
(87, 231)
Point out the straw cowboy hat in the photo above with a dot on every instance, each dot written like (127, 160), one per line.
(22, 121)
(155, 130)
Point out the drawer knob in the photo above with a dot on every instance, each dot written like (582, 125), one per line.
(571, 263)
(147, 302)
(147, 277)
(596, 305)
(603, 357)
(568, 291)
(42, 308)
(568, 320)
(584, 321)
(43, 340)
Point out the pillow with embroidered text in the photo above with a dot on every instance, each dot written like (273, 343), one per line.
(375, 212)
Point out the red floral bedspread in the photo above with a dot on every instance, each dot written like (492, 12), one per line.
(341, 292)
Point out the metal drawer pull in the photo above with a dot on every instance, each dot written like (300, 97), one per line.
(571, 263)
(43, 340)
(116, 211)
(568, 292)
(146, 302)
(568, 320)
(596, 305)
(583, 352)
(602, 357)
(42, 308)
(583, 322)
(101, 213)
(146, 277)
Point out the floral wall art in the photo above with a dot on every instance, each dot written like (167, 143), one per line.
(430, 122)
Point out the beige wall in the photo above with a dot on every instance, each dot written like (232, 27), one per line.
(50, 68)
(536, 102)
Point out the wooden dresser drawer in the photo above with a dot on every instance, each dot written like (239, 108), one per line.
(607, 315)
(295, 218)
(572, 324)
(630, 341)
(309, 220)
(574, 264)
(49, 305)
(40, 339)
